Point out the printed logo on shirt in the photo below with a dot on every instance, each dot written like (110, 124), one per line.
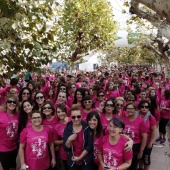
(12, 129)
(109, 159)
(39, 147)
(128, 131)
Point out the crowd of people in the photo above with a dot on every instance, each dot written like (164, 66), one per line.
(105, 119)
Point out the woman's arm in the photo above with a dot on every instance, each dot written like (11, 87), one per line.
(58, 142)
(21, 156)
(128, 144)
(100, 158)
(143, 144)
(53, 161)
(153, 133)
(125, 165)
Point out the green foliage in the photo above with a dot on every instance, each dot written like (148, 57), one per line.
(85, 25)
(26, 41)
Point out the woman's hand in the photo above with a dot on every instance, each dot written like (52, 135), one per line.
(23, 166)
(75, 158)
(53, 163)
(149, 145)
(140, 154)
(128, 145)
(72, 137)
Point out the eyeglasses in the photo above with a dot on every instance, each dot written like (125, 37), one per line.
(147, 107)
(62, 89)
(87, 102)
(47, 107)
(119, 105)
(34, 118)
(39, 97)
(11, 101)
(73, 87)
(101, 95)
(74, 117)
(130, 108)
(26, 93)
(109, 105)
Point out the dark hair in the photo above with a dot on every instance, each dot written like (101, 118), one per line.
(35, 111)
(21, 92)
(118, 122)
(99, 129)
(62, 107)
(104, 111)
(23, 117)
(52, 107)
(82, 91)
(36, 107)
(67, 93)
(167, 94)
(143, 102)
(87, 97)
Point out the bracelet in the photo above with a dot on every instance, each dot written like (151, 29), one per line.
(53, 157)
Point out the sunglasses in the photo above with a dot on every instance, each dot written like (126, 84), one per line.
(119, 105)
(87, 102)
(74, 117)
(73, 87)
(34, 118)
(147, 107)
(101, 95)
(62, 89)
(26, 93)
(109, 105)
(47, 107)
(11, 101)
(39, 97)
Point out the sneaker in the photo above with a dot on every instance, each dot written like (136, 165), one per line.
(162, 141)
(159, 139)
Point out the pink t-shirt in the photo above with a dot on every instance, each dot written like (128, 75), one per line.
(134, 129)
(165, 113)
(78, 144)
(151, 121)
(8, 131)
(50, 124)
(36, 147)
(95, 151)
(58, 135)
(114, 155)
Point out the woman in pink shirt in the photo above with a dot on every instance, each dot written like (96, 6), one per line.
(24, 117)
(119, 105)
(150, 124)
(39, 100)
(63, 119)
(49, 116)
(165, 116)
(35, 145)
(78, 142)
(112, 154)
(135, 129)
(25, 94)
(93, 120)
(9, 133)
(87, 105)
(99, 104)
